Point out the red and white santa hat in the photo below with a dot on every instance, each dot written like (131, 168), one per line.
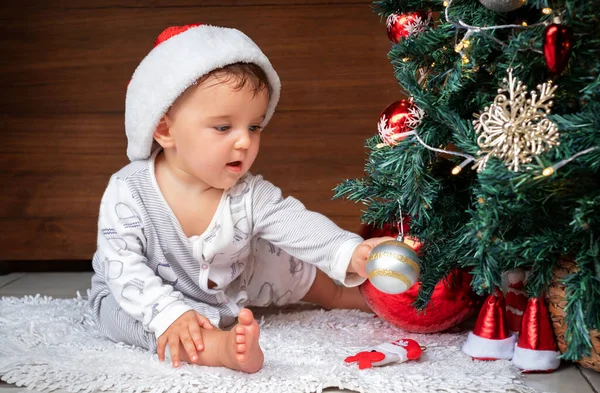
(181, 55)
(536, 348)
(490, 339)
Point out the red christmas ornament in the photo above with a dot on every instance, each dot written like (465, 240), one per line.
(400, 26)
(453, 301)
(397, 120)
(558, 41)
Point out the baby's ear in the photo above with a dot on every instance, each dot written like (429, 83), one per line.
(162, 134)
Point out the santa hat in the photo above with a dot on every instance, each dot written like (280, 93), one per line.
(181, 55)
(490, 339)
(536, 348)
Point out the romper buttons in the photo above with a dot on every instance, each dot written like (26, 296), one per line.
(204, 266)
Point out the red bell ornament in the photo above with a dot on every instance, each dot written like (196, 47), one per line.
(557, 45)
(400, 26)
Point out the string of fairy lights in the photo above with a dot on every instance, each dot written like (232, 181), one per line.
(545, 132)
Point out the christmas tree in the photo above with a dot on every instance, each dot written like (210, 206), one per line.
(494, 155)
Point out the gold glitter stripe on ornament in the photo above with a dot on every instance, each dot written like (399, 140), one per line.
(390, 273)
(401, 258)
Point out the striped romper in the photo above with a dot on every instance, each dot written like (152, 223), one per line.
(259, 249)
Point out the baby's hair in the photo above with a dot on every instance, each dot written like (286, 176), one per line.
(242, 74)
(239, 75)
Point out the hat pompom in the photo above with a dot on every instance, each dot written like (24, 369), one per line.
(172, 31)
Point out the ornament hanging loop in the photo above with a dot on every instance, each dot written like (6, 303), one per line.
(400, 237)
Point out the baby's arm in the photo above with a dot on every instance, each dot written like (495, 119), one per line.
(121, 252)
(121, 245)
(305, 234)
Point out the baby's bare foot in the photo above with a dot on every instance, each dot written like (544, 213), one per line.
(244, 350)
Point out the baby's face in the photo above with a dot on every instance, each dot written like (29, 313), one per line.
(216, 130)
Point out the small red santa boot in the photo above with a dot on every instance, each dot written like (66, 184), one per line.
(516, 299)
(490, 339)
(536, 349)
(398, 351)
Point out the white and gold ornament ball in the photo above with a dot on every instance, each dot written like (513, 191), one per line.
(393, 266)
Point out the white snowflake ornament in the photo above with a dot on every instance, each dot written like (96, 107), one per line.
(516, 128)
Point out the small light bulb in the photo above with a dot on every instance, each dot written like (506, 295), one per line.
(458, 47)
(405, 59)
(433, 64)
(456, 170)
(446, 4)
(548, 171)
(524, 24)
(467, 43)
(547, 11)
(465, 60)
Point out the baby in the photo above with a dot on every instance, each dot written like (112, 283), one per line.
(187, 237)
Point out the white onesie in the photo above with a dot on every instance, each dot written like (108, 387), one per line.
(259, 249)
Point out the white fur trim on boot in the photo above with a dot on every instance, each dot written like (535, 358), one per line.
(393, 353)
(535, 360)
(483, 348)
(173, 66)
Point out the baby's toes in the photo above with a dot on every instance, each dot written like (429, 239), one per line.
(241, 348)
(240, 338)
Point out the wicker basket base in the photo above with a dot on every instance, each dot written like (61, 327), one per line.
(556, 306)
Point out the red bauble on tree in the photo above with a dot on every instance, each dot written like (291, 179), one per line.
(400, 26)
(558, 41)
(453, 301)
(398, 120)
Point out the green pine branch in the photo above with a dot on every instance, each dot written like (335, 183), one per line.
(495, 220)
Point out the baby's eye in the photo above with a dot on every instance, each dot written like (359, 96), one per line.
(255, 128)
(222, 128)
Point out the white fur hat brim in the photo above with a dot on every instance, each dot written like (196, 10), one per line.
(173, 66)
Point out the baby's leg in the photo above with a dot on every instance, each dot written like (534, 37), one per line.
(326, 293)
(237, 348)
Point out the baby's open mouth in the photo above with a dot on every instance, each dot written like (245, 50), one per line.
(234, 163)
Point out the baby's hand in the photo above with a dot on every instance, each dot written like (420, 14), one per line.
(185, 330)
(358, 262)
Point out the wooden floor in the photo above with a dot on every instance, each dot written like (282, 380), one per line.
(570, 378)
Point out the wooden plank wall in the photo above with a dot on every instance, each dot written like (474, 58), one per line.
(64, 69)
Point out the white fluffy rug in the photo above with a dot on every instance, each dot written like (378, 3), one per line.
(49, 344)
